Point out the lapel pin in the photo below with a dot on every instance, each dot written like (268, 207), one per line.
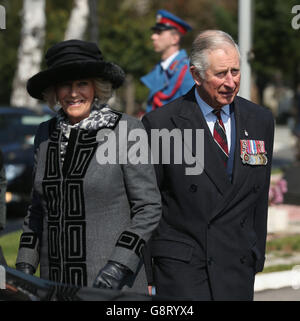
(246, 133)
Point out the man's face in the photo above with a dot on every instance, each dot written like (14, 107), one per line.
(222, 77)
(163, 40)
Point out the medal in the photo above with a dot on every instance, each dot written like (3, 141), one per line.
(253, 152)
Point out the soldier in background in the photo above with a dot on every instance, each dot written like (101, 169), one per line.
(170, 78)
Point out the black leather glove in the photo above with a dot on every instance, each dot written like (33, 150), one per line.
(25, 268)
(112, 276)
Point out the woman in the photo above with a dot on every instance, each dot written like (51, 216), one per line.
(87, 222)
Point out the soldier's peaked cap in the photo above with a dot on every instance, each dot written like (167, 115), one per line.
(165, 20)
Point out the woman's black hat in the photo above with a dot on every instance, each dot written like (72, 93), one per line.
(72, 60)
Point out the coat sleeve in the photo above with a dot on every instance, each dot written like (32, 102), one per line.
(157, 167)
(160, 179)
(144, 199)
(261, 208)
(33, 221)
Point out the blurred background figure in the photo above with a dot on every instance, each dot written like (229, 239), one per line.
(171, 77)
(2, 194)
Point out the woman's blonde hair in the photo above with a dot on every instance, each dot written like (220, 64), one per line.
(103, 91)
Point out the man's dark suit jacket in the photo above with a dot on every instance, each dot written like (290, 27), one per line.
(224, 221)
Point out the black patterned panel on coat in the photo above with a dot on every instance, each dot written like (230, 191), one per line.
(54, 242)
(52, 193)
(131, 241)
(74, 200)
(63, 192)
(55, 273)
(75, 241)
(52, 171)
(28, 239)
(86, 137)
(75, 273)
(80, 163)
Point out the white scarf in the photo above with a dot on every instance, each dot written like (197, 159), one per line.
(101, 116)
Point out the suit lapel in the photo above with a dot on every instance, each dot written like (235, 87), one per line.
(242, 120)
(191, 117)
(240, 171)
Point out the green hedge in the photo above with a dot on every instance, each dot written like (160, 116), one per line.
(286, 244)
(10, 244)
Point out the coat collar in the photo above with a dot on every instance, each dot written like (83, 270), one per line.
(190, 116)
(154, 79)
(176, 61)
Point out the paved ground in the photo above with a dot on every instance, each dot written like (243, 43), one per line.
(12, 225)
(284, 154)
(284, 146)
(283, 294)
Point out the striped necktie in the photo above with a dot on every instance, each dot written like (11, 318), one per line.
(220, 136)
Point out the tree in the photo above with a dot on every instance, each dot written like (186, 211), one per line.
(30, 51)
(94, 23)
(78, 20)
(9, 41)
(276, 44)
(122, 30)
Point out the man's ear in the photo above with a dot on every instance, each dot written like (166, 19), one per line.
(175, 38)
(196, 75)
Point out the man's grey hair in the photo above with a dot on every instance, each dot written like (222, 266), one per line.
(205, 42)
(103, 91)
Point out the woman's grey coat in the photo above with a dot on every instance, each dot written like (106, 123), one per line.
(85, 213)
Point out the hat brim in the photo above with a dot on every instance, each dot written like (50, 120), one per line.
(108, 71)
(162, 27)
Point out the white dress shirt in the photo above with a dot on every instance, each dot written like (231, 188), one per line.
(166, 63)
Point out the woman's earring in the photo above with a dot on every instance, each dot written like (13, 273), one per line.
(96, 101)
(57, 106)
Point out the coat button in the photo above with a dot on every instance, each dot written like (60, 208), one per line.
(256, 188)
(242, 223)
(243, 259)
(210, 261)
(193, 188)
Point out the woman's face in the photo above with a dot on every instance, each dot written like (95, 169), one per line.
(76, 98)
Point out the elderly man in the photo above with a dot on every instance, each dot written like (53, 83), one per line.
(170, 78)
(211, 239)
